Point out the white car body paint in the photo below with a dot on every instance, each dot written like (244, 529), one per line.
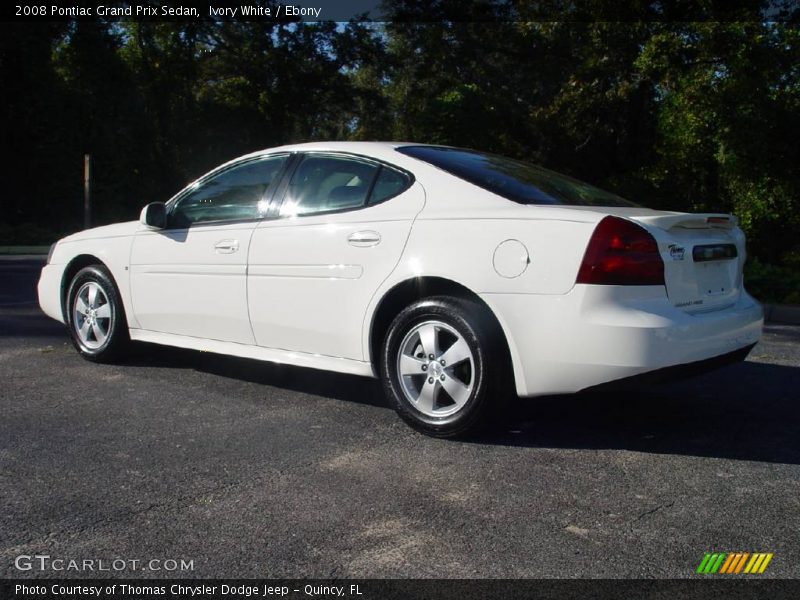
(181, 283)
(304, 290)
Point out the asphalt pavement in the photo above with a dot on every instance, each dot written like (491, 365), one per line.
(248, 469)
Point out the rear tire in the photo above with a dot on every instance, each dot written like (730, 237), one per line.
(95, 316)
(442, 366)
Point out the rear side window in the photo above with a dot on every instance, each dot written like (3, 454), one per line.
(325, 183)
(389, 183)
(512, 179)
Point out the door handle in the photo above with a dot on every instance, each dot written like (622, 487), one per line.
(363, 239)
(226, 246)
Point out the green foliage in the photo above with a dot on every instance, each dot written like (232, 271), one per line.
(771, 283)
(727, 124)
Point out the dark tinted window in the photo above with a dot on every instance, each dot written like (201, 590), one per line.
(388, 184)
(236, 193)
(326, 183)
(512, 179)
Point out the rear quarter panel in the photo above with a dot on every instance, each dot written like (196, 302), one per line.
(463, 250)
(457, 233)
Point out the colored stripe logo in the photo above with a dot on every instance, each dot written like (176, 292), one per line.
(734, 563)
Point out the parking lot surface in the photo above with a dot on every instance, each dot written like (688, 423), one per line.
(254, 470)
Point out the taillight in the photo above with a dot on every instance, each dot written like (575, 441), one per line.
(621, 253)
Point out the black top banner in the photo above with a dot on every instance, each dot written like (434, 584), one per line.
(408, 10)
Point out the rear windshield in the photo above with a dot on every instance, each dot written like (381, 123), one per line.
(512, 179)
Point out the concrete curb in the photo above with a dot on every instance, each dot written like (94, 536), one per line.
(782, 313)
(22, 257)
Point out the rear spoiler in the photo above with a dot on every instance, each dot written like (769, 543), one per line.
(690, 221)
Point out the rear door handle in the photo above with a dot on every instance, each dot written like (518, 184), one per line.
(226, 246)
(363, 239)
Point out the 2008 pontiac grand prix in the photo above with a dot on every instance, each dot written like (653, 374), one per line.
(455, 276)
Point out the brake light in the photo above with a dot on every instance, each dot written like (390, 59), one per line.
(621, 253)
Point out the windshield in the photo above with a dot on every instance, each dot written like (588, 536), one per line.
(512, 179)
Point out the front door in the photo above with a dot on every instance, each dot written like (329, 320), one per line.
(191, 278)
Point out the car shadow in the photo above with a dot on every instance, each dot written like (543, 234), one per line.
(326, 384)
(746, 411)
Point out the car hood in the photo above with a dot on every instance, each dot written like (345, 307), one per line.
(106, 231)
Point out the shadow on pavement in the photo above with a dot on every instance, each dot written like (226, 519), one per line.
(747, 411)
(297, 379)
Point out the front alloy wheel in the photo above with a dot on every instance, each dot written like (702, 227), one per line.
(95, 315)
(92, 315)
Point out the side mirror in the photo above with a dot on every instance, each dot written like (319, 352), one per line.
(154, 215)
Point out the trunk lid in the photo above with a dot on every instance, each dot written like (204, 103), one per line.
(703, 256)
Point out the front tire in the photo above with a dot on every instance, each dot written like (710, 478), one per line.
(95, 315)
(441, 366)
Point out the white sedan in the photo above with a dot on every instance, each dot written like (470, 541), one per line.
(457, 277)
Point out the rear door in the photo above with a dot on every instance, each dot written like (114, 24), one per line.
(339, 232)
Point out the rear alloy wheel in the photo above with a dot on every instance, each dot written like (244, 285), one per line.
(95, 315)
(436, 369)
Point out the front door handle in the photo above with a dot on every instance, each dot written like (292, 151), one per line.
(226, 246)
(363, 239)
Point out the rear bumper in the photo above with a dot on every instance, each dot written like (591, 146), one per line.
(598, 334)
(677, 372)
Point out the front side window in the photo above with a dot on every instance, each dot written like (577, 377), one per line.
(238, 193)
(513, 179)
